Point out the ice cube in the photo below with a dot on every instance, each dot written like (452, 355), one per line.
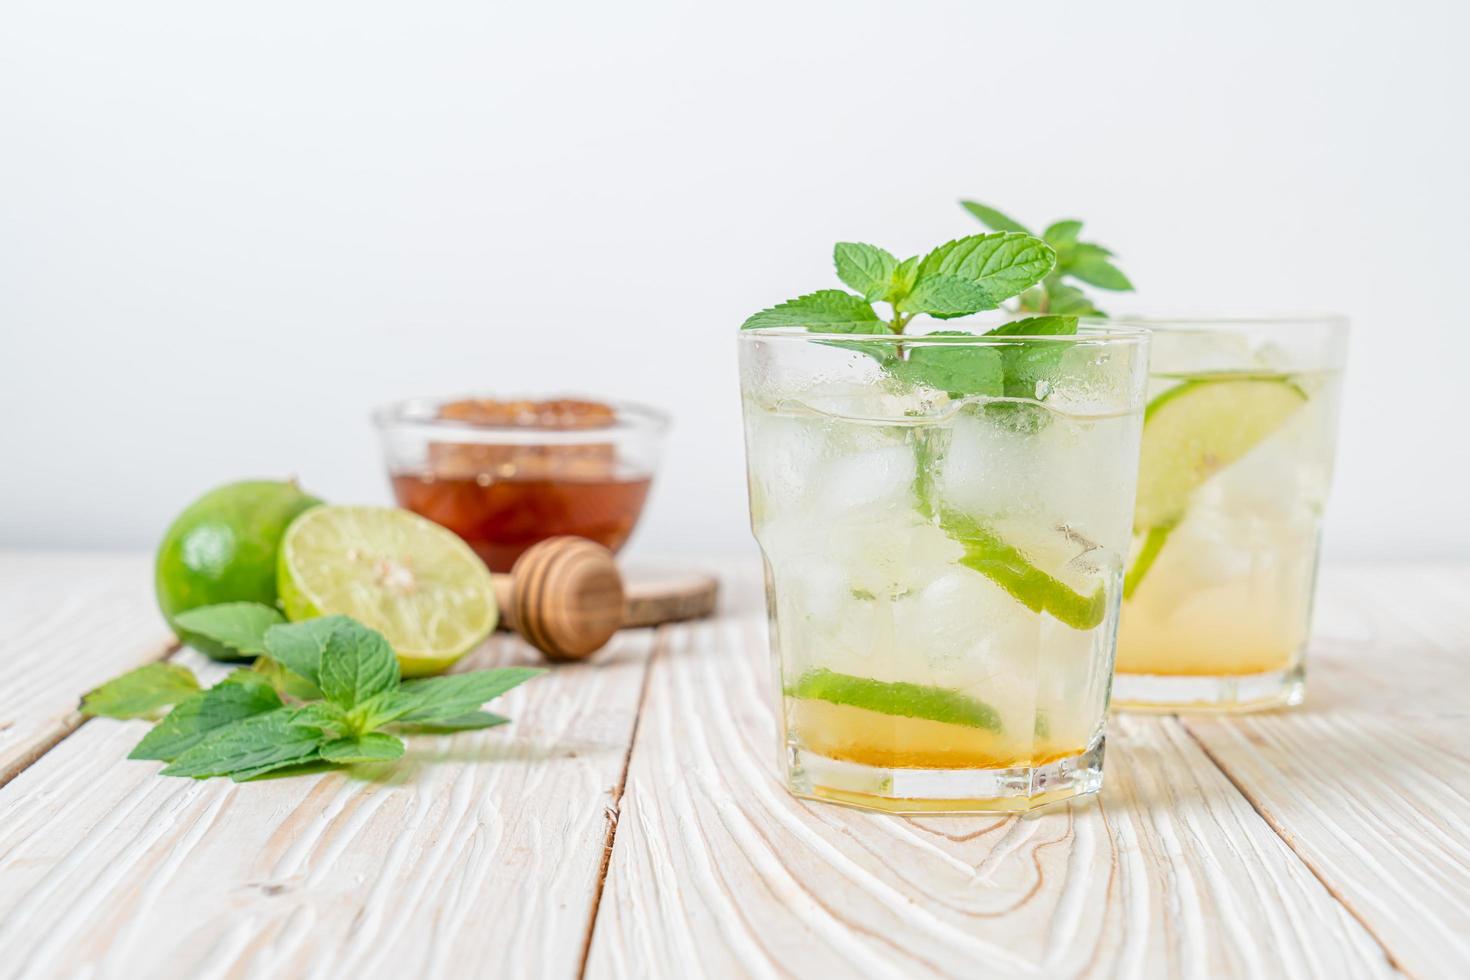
(878, 478)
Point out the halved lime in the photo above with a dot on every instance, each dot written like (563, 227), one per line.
(413, 581)
(1196, 429)
(895, 698)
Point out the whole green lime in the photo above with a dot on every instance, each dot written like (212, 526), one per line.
(222, 548)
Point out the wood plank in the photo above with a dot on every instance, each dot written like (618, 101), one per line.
(1369, 780)
(716, 870)
(478, 853)
(68, 622)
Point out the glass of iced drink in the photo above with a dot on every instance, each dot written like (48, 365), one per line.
(943, 572)
(1238, 440)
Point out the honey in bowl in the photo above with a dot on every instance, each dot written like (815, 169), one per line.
(504, 475)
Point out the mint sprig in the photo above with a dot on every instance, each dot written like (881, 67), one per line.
(256, 721)
(1086, 262)
(961, 277)
(140, 693)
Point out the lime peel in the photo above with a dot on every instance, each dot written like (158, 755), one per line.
(895, 698)
(1009, 567)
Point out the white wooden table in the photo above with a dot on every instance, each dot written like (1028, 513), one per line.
(630, 823)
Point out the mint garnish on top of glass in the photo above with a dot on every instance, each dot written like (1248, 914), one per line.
(959, 278)
(1085, 262)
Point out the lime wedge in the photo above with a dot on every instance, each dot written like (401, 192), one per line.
(1197, 428)
(408, 578)
(895, 698)
(1013, 570)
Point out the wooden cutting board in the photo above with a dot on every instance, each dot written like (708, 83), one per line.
(657, 593)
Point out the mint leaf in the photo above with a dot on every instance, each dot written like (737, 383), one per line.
(1060, 233)
(330, 718)
(441, 699)
(904, 277)
(829, 310)
(866, 268)
(1070, 300)
(1002, 264)
(1036, 326)
(371, 747)
(459, 723)
(992, 218)
(1027, 365)
(251, 747)
(140, 692)
(956, 369)
(1090, 264)
(945, 296)
(298, 646)
(240, 626)
(356, 664)
(232, 700)
(285, 682)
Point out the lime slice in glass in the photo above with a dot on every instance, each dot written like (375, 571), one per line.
(408, 578)
(895, 698)
(1196, 429)
(1016, 571)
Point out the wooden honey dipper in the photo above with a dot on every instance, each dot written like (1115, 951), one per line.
(564, 596)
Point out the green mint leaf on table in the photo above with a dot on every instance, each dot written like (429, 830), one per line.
(141, 693)
(993, 219)
(866, 268)
(251, 747)
(330, 718)
(1003, 264)
(827, 310)
(234, 699)
(459, 723)
(299, 646)
(240, 626)
(370, 747)
(357, 663)
(434, 700)
(895, 698)
(287, 683)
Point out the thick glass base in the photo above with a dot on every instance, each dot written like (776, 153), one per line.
(1172, 693)
(893, 790)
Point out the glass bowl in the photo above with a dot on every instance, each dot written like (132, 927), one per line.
(506, 473)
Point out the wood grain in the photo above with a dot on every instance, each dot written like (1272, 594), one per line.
(1369, 780)
(477, 854)
(67, 624)
(716, 870)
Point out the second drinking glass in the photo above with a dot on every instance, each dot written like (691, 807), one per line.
(1237, 454)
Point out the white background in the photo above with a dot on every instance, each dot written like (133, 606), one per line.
(227, 230)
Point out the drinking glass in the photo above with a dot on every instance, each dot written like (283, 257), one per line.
(943, 571)
(1238, 440)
